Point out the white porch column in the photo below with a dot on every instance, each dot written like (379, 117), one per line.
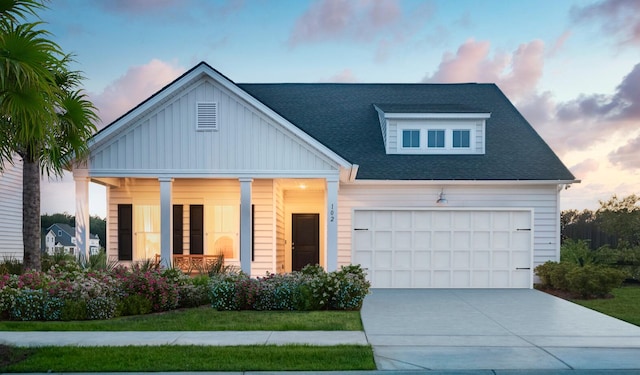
(166, 221)
(83, 231)
(332, 224)
(245, 225)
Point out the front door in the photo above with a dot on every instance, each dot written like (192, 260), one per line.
(305, 240)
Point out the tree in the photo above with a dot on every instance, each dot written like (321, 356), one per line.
(621, 217)
(44, 117)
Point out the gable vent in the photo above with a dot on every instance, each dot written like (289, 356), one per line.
(207, 116)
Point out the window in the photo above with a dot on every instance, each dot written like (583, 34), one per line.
(222, 225)
(411, 138)
(147, 231)
(435, 138)
(461, 138)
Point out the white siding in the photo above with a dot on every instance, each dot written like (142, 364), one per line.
(279, 217)
(542, 199)
(11, 245)
(165, 140)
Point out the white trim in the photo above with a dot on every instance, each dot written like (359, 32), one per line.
(410, 116)
(448, 128)
(193, 173)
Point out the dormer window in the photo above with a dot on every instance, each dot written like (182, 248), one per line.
(411, 138)
(432, 129)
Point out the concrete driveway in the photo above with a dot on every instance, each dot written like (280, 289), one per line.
(493, 329)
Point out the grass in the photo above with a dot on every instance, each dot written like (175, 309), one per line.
(207, 319)
(625, 305)
(193, 358)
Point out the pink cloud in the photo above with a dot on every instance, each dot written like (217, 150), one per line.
(620, 18)
(517, 74)
(559, 43)
(585, 167)
(334, 19)
(138, 7)
(345, 76)
(627, 156)
(136, 85)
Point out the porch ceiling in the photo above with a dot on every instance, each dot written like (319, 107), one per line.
(302, 184)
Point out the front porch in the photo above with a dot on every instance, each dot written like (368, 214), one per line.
(189, 222)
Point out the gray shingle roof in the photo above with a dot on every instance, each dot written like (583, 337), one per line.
(343, 117)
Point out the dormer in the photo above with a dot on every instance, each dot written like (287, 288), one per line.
(432, 129)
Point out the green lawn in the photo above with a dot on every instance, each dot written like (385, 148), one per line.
(207, 319)
(625, 305)
(193, 358)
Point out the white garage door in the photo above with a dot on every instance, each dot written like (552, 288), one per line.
(444, 248)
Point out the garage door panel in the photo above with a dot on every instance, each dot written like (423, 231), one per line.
(402, 260)
(461, 220)
(402, 240)
(383, 240)
(444, 248)
(403, 220)
(461, 279)
(421, 240)
(461, 259)
(422, 260)
(383, 220)
(462, 240)
(383, 259)
(441, 259)
(441, 240)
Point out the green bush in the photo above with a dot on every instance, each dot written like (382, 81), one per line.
(28, 305)
(232, 291)
(73, 310)
(593, 281)
(577, 252)
(278, 292)
(101, 308)
(352, 287)
(134, 305)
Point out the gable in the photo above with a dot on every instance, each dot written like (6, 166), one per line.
(167, 134)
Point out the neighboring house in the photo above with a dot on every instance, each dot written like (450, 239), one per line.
(11, 245)
(60, 237)
(424, 185)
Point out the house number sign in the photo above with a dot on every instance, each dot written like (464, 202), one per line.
(332, 216)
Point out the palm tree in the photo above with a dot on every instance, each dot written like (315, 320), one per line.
(44, 117)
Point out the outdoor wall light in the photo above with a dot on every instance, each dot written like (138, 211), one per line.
(441, 199)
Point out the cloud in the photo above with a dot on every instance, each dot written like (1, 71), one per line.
(624, 104)
(345, 19)
(585, 167)
(559, 43)
(620, 18)
(627, 156)
(345, 76)
(138, 7)
(136, 85)
(517, 74)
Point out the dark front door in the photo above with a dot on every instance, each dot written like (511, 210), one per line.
(196, 229)
(305, 240)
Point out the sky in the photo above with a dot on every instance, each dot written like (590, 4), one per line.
(572, 68)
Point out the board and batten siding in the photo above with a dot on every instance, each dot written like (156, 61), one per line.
(166, 140)
(11, 245)
(542, 199)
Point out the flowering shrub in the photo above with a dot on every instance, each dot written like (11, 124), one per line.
(233, 291)
(150, 284)
(310, 289)
(278, 292)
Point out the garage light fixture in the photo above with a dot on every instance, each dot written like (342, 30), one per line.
(441, 199)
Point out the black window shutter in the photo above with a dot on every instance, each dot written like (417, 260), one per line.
(125, 232)
(178, 227)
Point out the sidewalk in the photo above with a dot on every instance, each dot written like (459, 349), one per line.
(211, 338)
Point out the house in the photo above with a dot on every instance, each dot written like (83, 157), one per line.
(11, 246)
(424, 185)
(60, 237)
